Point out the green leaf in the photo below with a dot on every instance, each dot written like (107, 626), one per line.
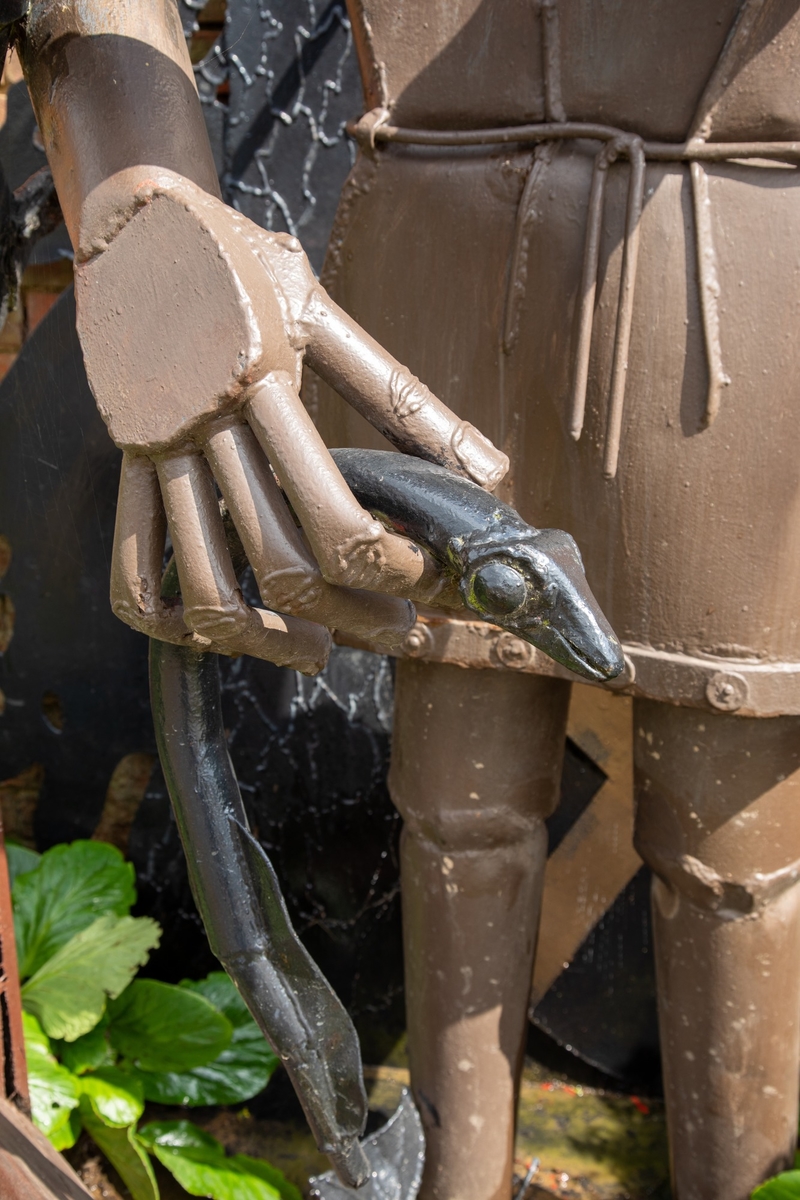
(53, 1090)
(271, 1175)
(125, 1152)
(218, 1180)
(220, 990)
(240, 1072)
(20, 859)
(183, 1139)
(782, 1187)
(68, 994)
(115, 1096)
(160, 1027)
(71, 887)
(199, 1164)
(36, 1040)
(183, 1136)
(88, 1052)
(65, 1137)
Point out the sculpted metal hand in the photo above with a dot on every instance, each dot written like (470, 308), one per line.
(195, 324)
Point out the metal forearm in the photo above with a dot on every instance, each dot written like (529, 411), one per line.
(113, 88)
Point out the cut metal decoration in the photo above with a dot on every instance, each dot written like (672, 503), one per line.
(396, 1156)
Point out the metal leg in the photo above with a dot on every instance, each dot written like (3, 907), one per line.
(475, 770)
(719, 822)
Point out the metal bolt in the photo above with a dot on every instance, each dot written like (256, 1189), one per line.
(419, 641)
(726, 691)
(512, 652)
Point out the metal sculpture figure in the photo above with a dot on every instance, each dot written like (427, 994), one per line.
(649, 416)
(207, 398)
(609, 198)
(208, 394)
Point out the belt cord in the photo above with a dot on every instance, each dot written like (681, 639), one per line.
(547, 135)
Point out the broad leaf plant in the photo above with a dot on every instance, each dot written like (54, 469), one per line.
(100, 1043)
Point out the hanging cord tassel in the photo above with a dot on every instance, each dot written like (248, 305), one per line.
(709, 290)
(527, 213)
(591, 261)
(630, 257)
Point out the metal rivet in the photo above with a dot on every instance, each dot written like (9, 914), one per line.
(419, 641)
(512, 652)
(726, 691)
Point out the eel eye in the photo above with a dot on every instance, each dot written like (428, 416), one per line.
(498, 589)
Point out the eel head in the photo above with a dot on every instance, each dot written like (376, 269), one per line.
(534, 585)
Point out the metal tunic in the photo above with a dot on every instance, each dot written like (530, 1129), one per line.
(675, 468)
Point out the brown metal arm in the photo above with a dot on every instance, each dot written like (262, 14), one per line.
(194, 325)
(112, 86)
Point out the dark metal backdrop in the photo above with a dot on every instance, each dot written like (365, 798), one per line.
(277, 85)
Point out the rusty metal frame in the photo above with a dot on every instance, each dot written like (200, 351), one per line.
(13, 1072)
(30, 1168)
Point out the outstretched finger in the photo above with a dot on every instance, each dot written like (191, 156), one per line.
(213, 604)
(351, 547)
(391, 398)
(288, 578)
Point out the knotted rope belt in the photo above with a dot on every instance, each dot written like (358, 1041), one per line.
(373, 129)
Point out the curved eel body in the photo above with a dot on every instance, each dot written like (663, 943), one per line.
(527, 580)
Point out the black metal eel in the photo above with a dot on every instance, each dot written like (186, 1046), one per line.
(529, 581)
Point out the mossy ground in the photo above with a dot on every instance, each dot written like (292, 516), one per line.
(591, 1144)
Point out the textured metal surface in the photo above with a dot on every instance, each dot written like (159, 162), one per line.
(13, 1069)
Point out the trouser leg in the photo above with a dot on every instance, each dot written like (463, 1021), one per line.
(476, 764)
(718, 820)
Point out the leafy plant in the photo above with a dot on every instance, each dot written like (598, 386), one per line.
(200, 1165)
(69, 889)
(20, 859)
(99, 1043)
(68, 992)
(782, 1187)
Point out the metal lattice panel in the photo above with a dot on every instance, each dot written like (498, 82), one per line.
(277, 86)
